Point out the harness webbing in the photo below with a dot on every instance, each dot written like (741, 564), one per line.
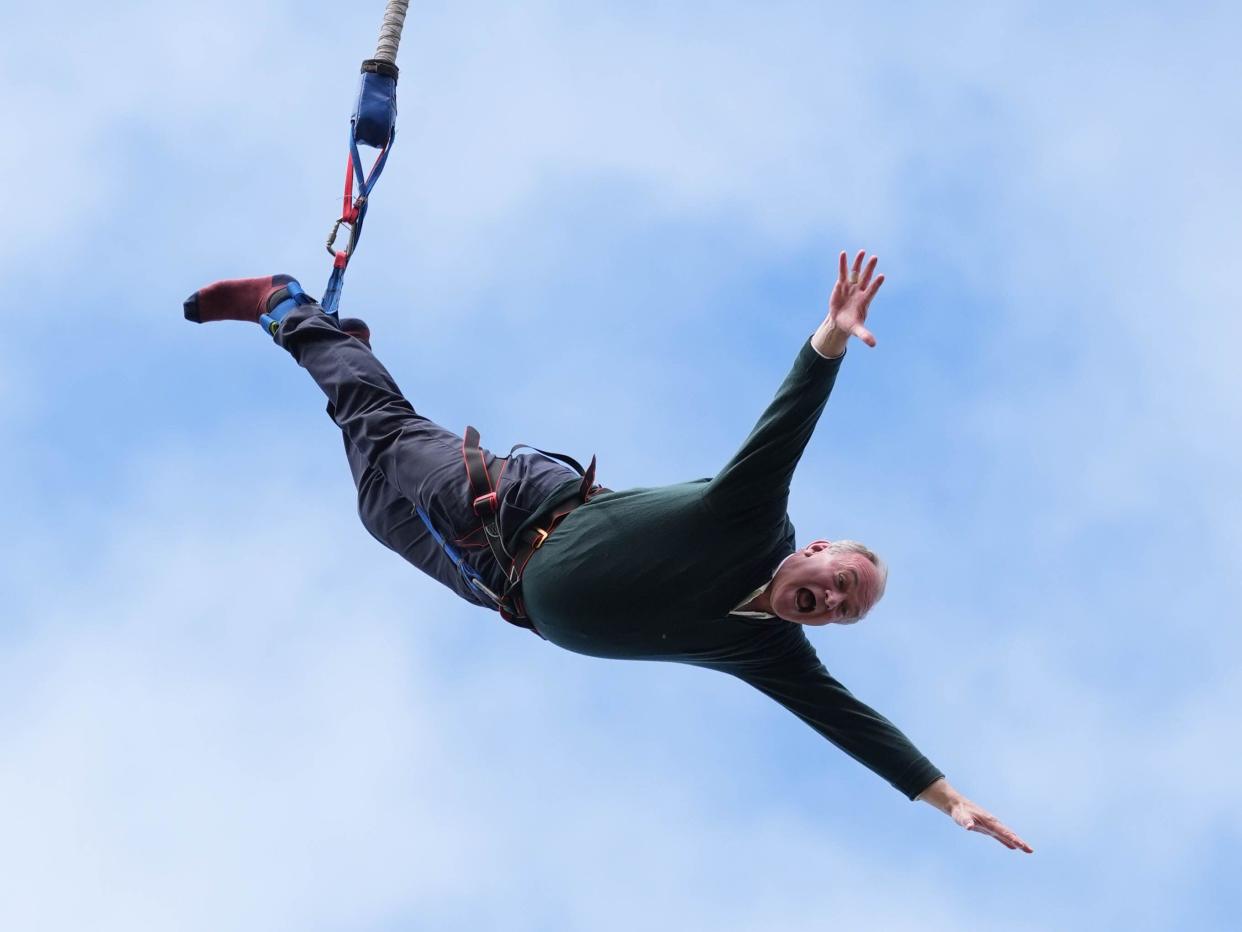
(374, 123)
(468, 572)
(353, 212)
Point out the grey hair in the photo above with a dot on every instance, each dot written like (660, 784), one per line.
(853, 546)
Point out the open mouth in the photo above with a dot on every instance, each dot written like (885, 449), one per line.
(805, 600)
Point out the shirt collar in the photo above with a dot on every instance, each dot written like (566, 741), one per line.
(758, 592)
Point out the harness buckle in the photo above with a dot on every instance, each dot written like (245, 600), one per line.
(543, 535)
(490, 501)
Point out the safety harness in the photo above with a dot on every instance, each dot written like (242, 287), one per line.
(485, 500)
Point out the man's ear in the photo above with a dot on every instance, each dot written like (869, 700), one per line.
(815, 547)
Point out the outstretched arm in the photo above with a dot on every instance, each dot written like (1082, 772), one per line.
(972, 817)
(756, 479)
(786, 668)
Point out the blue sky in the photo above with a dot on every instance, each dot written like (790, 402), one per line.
(223, 706)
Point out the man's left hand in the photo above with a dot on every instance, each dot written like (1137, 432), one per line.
(847, 306)
(970, 815)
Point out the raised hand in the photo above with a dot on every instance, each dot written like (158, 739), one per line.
(851, 296)
(847, 306)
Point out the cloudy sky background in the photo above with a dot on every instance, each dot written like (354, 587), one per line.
(223, 706)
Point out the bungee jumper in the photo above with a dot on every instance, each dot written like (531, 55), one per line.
(705, 572)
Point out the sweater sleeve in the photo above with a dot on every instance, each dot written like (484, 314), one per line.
(799, 682)
(760, 472)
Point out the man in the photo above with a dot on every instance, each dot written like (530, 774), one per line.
(703, 572)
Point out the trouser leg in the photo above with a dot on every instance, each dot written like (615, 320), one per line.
(416, 456)
(401, 459)
(390, 518)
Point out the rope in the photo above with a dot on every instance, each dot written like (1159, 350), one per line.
(390, 31)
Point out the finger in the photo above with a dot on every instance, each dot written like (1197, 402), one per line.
(863, 334)
(858, 261)
(1012, 837)
(866, 279)
(984, 829)
(1001, 838)
(1000, 831)
(875, 286)
(844, 272)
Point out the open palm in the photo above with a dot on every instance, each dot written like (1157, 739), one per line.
(851, 296)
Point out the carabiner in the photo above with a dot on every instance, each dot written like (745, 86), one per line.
(336, 228)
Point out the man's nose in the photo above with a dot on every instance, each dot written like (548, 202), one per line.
(831, 599)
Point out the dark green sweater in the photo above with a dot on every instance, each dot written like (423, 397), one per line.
(653, 574)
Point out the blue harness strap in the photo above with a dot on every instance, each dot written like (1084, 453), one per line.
(468, 572)
(295, 297)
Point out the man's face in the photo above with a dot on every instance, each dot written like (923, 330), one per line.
(818, 587)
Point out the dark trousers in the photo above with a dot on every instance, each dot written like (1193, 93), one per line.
(400, 459)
